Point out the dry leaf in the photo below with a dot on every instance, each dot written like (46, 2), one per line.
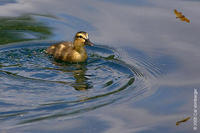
(184, 120)
(181, 16)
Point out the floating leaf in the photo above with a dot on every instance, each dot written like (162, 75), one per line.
(184, 120)
(181, 16)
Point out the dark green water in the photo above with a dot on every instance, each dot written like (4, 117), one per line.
(140, 76)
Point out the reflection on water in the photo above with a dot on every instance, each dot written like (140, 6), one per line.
(150, 97)
(3, 2)
(79, 73)
(81, 80)
(23, 28)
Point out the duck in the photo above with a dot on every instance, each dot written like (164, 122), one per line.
(71, 51)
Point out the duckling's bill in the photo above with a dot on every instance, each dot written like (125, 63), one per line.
(88, 42)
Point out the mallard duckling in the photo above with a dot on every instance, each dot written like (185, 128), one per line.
(71, 51)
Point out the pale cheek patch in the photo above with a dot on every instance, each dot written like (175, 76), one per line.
(86, 36)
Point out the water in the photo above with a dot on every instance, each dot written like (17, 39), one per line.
(44, 88)
(140, 75)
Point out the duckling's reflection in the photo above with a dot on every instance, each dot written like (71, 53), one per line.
(79, 72)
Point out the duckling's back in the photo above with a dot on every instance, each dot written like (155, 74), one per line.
(61, 50)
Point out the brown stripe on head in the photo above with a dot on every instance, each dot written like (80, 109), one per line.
(82, 34)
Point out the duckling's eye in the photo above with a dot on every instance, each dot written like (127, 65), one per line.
(79, 37)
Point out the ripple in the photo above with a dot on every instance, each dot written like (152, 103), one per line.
(35, 87)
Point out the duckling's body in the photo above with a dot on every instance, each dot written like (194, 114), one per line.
(65, 51)
(71, 51)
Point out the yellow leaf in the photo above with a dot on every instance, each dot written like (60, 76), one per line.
(181, 16)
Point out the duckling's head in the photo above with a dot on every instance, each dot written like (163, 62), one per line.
(81, 39)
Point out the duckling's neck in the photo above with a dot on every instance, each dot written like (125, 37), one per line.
(78, 46)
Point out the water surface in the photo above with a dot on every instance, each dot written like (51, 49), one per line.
(140, 76)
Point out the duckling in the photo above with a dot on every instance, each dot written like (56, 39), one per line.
(71, 51)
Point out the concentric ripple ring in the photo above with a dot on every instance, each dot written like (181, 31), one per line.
(35, 87)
